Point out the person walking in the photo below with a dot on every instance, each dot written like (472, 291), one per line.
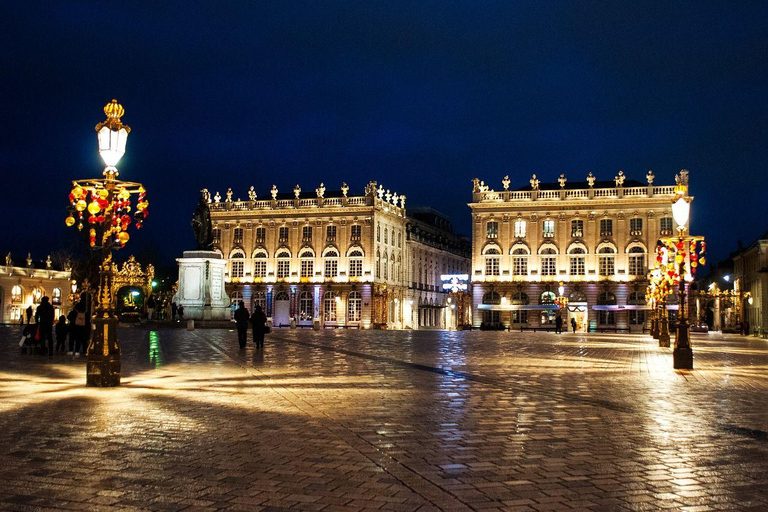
(79, 327)
(174, 311)
(573, 324)
(180, 310)
(259, 325)
(44, 316)
(558, 324)
(61, 333)
(29, 314)
(241, 321)
(150, 308)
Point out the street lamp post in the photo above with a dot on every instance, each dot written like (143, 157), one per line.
(104, 204)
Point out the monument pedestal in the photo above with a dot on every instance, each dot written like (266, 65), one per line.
(201, 286)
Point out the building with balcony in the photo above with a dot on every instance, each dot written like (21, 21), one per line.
(22, 286)
(323, 258)
(592, 238)
(433, 250)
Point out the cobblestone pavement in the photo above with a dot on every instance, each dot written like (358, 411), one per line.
(388, 421)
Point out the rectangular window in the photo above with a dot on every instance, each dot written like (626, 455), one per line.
(307, 268)
(606, 227)
(261, 235)
(548, 265)
(520, 265)
(520, 226)
(665, 226)
(357, 231)
(607, 267)
(331, 268)
(216, 235)
(606, 317)
(283, 268)
(330, 233)
(577, 229)
(356, 268)
(548, 229)
(238, 267)
(636, 265)
(492, 266)
(260, 269)
(238, 236)
(636, 226)
(282, 236)
(637, 318)
(519, 317)
(492, 229)
(306, 234)
(577, 266)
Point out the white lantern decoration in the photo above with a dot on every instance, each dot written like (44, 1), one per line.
(112, 135)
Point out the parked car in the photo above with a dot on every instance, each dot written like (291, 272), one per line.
(699, 327)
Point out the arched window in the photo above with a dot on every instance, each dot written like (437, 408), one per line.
(354, 307)
(237, 262)
(606, 299)
(378, 264)
(491, 317)
(331, 257)
(607, 260)
(385, 263)
(329, 306)
(577, 261)
(260, 299)
(260, 263)
(37, 294)
(520, 261)
(491, 298)
(636, 298)
(283, 263)
(492, 254)
(378, 232)
(399, 240)
(398, 275)
(386, 236)
(577, 296)
(56, 297)
(637, 261)
(547, 297)
(355, 256)
(234, 302)
(548, 254)
(306, 305)
(307, 263)
(282, 295)
(520, 298)
(16, 294)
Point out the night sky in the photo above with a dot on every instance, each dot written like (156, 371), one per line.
(419, 96)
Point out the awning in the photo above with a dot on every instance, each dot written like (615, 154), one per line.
(518, 307)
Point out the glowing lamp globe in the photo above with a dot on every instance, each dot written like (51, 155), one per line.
(681, 209)
(112, 134)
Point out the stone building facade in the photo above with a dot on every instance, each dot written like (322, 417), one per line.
(322, 259)
(24, 286)
(433, 251)
(590, 240)
(750, 273)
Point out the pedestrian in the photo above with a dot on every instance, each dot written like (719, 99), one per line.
(174, 310)
(181, 312)
(29, 314)
(150, 308)
(259, 325)
(61, 333)
(573, 324)
(746, 327)
(241, 321)
(79, 327)
(44, 316)
(559, 324)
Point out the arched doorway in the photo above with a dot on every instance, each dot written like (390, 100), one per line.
(282, 316)
(306, 308)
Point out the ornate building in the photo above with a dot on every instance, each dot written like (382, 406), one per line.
(433, 250)
(24, 286)
(585, 243)
(318, 259)
(750, 269)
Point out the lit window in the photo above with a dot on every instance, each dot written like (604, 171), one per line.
(577, 262)
(283, 268)
(606, 227)
(492, 266)
(237, 237)
(548, 262)
(520, 262)
(636, 226)
(492, 229)
(306, 305)
(216, 235)
(16, 294)
(577, 229)
(238, 268)
(330, 233)
(260, 263)
(354, 307)
(307, 267)
(606, 261)
(520, 226)
(306, 234)
(283, 234)
(261, 235)
(637, 261)
(548, 229)
(665, 226)
(356, 232)
(329, 307)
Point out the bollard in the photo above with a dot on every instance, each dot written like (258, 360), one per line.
(190, 325)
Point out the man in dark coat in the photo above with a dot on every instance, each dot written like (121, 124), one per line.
(559, 324)
(241, 321)
(259, 324)
(80, 327)
(44, 316)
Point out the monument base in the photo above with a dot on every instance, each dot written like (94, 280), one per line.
(201, 286)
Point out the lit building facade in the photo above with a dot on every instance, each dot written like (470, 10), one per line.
(750, 269)
(24, 286)
(433, 251)
(323, 259)
(593, 237)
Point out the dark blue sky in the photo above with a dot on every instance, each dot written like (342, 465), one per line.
(420, 96)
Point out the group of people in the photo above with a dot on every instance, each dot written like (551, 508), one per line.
(258, 321)
(559, 324)
(75, 327)
(177, 311)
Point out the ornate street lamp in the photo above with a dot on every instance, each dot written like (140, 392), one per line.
(687, 247)
(104, 206)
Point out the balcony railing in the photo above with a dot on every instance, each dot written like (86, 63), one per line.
(577, 194)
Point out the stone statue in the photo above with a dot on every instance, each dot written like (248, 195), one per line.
(562, 179)
(505, 182)
(534, 183)
(619, 179)
(8, 260)
(297, 191)
(344, 189)
(650, 176)
(251, 194)
(201, 223)
(591, 180)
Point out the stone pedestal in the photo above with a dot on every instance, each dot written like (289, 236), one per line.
(201, 286)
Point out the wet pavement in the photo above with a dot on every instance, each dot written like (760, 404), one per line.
(388, 420)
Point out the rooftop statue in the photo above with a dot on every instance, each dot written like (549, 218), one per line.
(201, 222)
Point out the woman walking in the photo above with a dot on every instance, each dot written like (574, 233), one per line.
(259, 325)
(241, 321)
